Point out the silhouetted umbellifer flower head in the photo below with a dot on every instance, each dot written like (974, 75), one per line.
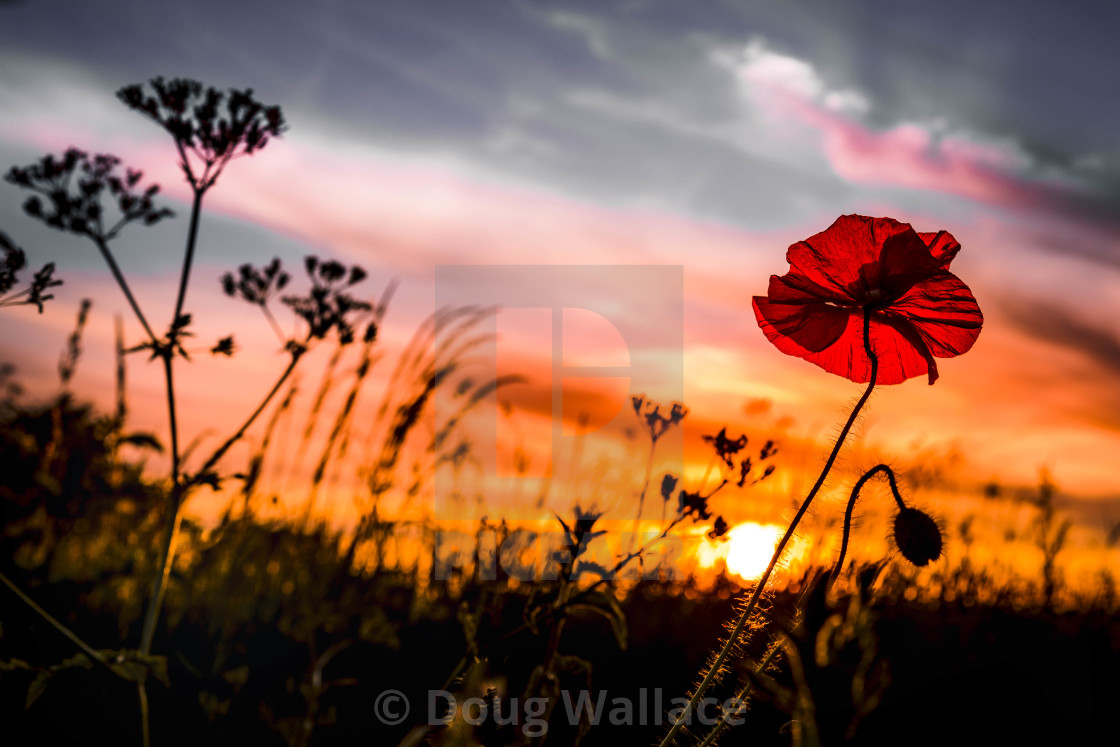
(43, 280)
(14, 260)
(649, 412)
(328, 306)
(69, 192)
(726, 448)
(216, 126)
(917, 536)
(257, 286)
(694, 504)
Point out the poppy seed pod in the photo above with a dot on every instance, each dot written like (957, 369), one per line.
(917, 536)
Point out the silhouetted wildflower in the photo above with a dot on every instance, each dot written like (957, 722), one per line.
(726, 448)
(719, 529)
(43, 280)
(581, 533)
(256, 286)
(747, 465)
(216, 126)
(14, 261)
(328, 306)
(649, 413)
(694, 504)
(70, 190)
(224, 346)
(668, 486)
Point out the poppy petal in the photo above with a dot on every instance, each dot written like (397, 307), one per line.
(942, 246)
(800, 329)
(857, 255)
(832, 338)
(912, 344)
(920, 311)
(900, 355)
(795, 288)
(944, 312)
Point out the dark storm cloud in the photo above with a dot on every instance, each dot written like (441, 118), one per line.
(1098, 399)
(496, 84)
(1056, 325)
(506, 85)
(1036, 71)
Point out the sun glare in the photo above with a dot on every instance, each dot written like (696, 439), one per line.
(747, 550)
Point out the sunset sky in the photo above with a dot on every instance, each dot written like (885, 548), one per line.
(705, 135)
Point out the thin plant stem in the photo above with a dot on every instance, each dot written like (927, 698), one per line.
(221, 451)
(103, 247)
(741, 696)
(273, 323)
(168, 556)
(10, 300)
(188, 257)
(173, 421)
(145, 730)
(752, 603)
(88, 650)
(645, 487)
(167, 549)
(759, 671)
(839, 567)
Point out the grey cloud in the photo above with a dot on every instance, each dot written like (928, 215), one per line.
(1056, 325)
(1099, 401)
(494, 83)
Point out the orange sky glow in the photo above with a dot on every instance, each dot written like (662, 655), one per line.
(1019, 402)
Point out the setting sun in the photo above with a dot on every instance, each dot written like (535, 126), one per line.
(750, 547)
(746, 551)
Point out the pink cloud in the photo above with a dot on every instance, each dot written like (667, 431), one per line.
(793, 98)
(909, 155)
(408, 217)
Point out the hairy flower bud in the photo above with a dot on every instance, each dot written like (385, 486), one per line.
(917, 536)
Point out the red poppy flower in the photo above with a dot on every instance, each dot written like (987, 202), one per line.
(919, 310)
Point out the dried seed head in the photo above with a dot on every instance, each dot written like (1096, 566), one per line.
(917, 536)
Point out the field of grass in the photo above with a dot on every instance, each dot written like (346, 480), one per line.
(272, 635)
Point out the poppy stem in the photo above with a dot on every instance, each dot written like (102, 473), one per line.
(721, 658)
(839, 567)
